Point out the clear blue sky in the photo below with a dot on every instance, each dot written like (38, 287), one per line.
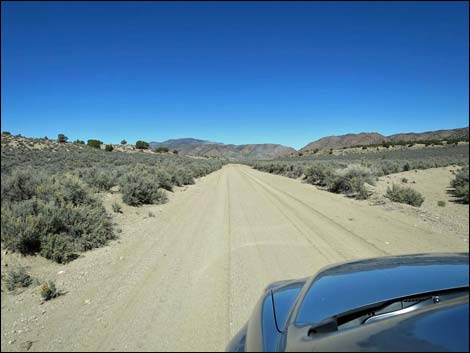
(280, 72)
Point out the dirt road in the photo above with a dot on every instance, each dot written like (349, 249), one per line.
(188, 278)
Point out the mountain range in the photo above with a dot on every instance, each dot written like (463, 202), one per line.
(204, 148)
(369, 138)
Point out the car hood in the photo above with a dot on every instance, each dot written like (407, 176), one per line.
(343, 287)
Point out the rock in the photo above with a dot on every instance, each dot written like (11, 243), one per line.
(121, 258)
(61, 272)
(88, 301)
(11, 341)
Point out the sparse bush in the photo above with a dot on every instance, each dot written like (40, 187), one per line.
(404, 180)
(116, 207)
(108, 148)
(441, 203)
(151, 214)
(162, 149)
(460, 184)
(6, 133)
(123, 142)
(79, 142)
(94, 143)
(362, 193)
(405, 195)
(350, 180)
(318, 174)
(17, 278)
(49, 291)
(142, 145)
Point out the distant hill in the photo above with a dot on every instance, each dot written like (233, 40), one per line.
(369, 138)
(203, 148)
(431, 135)
(347, 140)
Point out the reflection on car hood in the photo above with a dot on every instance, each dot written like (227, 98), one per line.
(344, 287)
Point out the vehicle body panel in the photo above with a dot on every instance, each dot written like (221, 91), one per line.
(288, 309)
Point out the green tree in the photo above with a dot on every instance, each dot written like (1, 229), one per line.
(142, 145)
(61, 138)
(94, 143)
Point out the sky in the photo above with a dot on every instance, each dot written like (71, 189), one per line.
(232, 72)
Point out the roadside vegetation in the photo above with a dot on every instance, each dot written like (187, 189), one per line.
(460, 184)
(17, 278)
(353, 174)
(405, 195)
(50, 200)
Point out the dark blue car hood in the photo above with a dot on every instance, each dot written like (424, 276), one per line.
(344, 287)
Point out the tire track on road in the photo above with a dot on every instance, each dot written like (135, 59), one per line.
(339, 226)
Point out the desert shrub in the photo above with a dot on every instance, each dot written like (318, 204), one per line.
(141, 189)
(123, 142)
(17, 278)
(59, 219)
(94, 143)
(460, 184)
(362, 193)
(350, 180)
(405, 195)
(61, 138)
(99, 179)
(318, 174)
(116, 207)
(6, 133)
(441, 203)
(164, 180)
(151, 214)
(49, 291)
(20, 185)
(161, 149)
(142, 145)
(404, 180)
(181, 176)
(108, 148)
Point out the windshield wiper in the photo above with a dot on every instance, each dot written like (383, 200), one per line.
(364, 313)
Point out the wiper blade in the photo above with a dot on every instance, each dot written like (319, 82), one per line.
(331, 324)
